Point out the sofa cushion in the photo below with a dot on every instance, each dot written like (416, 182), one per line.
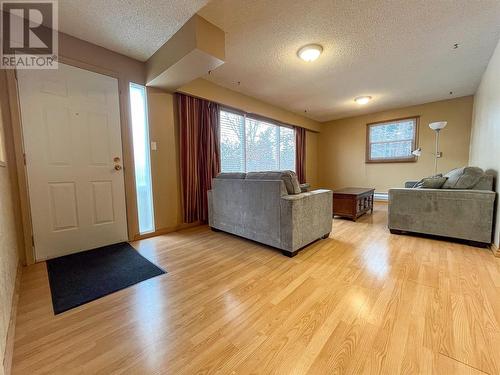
(434, 182)
(485, 182)
(232, 176)
(288, 177)
(463, 178)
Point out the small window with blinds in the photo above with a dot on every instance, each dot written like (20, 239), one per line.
(250, 144)
(391, 141)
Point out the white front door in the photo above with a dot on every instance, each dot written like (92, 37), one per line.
(72, 141)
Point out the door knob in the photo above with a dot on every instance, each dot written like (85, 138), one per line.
(118, 167)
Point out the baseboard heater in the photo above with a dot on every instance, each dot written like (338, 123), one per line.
(381, 197)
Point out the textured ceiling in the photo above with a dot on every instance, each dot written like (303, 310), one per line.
(399, 52)
(136, 28)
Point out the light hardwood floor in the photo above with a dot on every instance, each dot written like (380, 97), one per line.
(361, 302)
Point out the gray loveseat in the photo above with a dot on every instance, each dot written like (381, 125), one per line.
(462, 208)
(269, 207)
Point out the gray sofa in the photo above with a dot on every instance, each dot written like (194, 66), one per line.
(269, 207)
(462, 208)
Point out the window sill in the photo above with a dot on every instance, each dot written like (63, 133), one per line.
(383, 161)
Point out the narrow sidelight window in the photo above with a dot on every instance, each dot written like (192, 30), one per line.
(142, 161)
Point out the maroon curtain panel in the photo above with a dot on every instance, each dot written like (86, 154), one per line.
(300, 154)
(199, 153)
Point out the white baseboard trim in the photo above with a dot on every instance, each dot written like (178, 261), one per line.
(384, 197)
(495, 249)
(9, 344)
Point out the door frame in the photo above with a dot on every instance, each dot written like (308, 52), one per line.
(128, 158)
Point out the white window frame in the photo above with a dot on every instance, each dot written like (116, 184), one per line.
(147, 158)
(407, 159)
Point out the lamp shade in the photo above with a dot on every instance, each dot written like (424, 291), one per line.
(438, 125)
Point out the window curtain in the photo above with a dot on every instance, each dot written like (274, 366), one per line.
(300, 154)
(199, 153)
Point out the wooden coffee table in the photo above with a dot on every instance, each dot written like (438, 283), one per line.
(352, 202)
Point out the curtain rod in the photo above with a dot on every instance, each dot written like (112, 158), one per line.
(251, 114)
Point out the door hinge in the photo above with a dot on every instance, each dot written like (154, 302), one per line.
(33, 241)
(24, 158)
(15, 74)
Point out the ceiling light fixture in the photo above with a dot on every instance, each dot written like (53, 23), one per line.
(362, 99)
(310, 52)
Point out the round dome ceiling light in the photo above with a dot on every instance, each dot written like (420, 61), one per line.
(362, 99)
(310, 52)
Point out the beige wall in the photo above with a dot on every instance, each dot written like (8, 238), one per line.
(9, 258)
(312, 158)
(485, 135)
(92, 56)
(341, 147)
(165, 160)
(208, 90)
(164, 131)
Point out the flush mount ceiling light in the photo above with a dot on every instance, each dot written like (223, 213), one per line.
(310, 52)
(362, 99)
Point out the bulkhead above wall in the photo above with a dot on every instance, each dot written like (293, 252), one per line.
(195, 49)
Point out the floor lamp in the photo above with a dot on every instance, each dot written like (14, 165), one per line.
(437, 127)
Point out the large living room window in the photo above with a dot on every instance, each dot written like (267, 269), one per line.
(391, 141)
(249, 143)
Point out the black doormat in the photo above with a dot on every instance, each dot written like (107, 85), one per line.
(79, 278)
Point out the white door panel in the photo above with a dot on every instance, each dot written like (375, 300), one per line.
(71, 131)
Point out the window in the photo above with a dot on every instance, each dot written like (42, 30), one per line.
(142, 162)
(392, 140)
(250, 144)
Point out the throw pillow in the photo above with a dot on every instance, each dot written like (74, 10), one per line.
(304, 188)
(419, 184)
(433, 183)
(294, 181)
(453, 177)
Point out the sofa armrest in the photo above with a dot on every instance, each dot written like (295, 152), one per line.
(305, 217)
(465, 214)
(321, 194)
